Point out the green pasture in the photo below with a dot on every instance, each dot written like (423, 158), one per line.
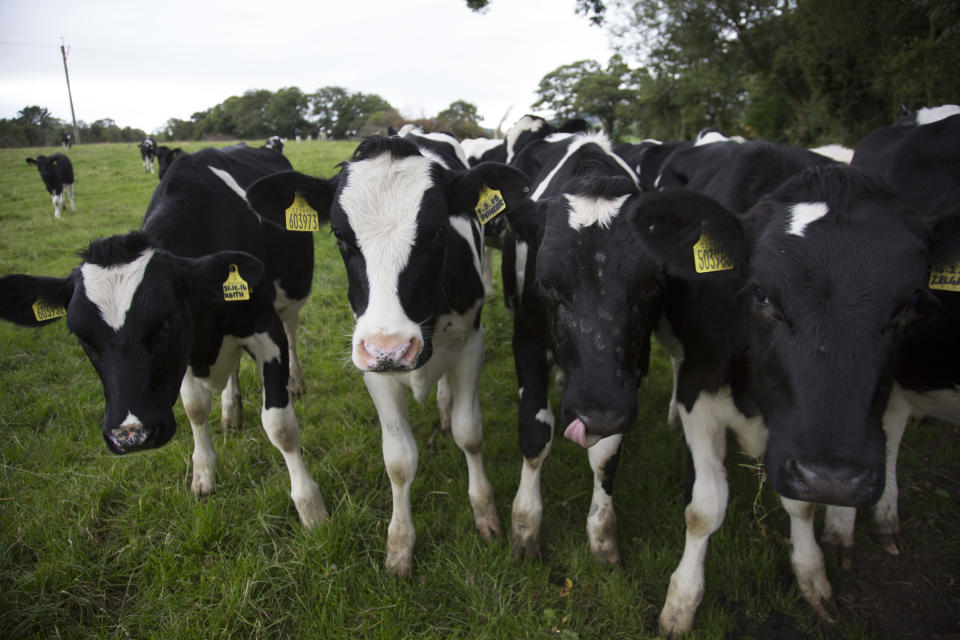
(94, 545)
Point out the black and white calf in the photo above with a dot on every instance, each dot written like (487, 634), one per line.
(56, 171)
(274, 142)
(788, 324)
(402, 210)
(66, 139)
(148, 153)
(173, 306)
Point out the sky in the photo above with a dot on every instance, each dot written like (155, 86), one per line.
(143, 63)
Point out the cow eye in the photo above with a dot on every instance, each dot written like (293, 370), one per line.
(158, 338)
(344, 243)
(760, 296)
(90, 350)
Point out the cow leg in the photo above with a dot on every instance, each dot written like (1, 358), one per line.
(602, 520)
(488, 270)
(838, 526)
(536, 436)
(231, 407)
(444, 403)
(807, 558)
(290, 316)
(467, 427)
(400, 460)
(280, 421)
(69, 189)
(57, 199)
(196, 404)
(706, 439)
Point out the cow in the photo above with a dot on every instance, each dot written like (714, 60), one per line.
(484, 150)
(275, 143)
(66, 139)
(56, 171)
(165, 158)
(583, 297)
(148, 153)
(173, 306)
(403, 212)
(646, 158)
(788, 322)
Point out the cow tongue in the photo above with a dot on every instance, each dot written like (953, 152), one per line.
(577, 432)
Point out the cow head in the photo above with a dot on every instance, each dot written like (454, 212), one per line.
(127, 305)
(50, 171)
(165, 158)
(831, 269)
(406, 229)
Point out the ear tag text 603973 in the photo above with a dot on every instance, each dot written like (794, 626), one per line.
(489, 205)
(235, 288)
(43, 310)
(300, 216)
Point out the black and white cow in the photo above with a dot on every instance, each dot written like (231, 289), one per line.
(403, 212)
(480, 150)
(165, 158)
(56, 171)
(646, 158)
(172, 307)
(790, 337)
(148, 153)
(274, 142)
(66, 139)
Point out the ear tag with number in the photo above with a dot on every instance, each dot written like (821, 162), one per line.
(490, 205)
(945, 277)
(300, 216)
(707, 258)
(43, 310)
(235, 288)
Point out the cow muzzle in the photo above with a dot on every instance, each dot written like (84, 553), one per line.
(842, 483)
(387, 352)
(588, 430)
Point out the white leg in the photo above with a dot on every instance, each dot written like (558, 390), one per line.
(706, 439)
(400, 459)
(886, 518)
(196, 403)
(838, 526)
(673, 414)
(231, 407)
(488, 270)
(280, 423)
(807, 559)
(444, 403)
(69, 189)
(527, 510)
(602, 520)
(467, 428)
(57, 201)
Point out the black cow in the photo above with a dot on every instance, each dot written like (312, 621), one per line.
(274, 142)
(403, 212)
(172, 307)
(165, 158)
(66, 139)
(56, 171)
(788, 323)
(148, 153)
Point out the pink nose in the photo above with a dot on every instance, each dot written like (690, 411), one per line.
(388, 352)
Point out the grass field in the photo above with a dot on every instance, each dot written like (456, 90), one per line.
(94, 545)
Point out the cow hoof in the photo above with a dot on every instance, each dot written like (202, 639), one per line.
(890, 541)
(676, 621)
(296, 388)
(523, 549)
(606, 553)
(399, 564)
(825, 609)
(490, 528)
(312, 511)
(201, 486)
(231, 423)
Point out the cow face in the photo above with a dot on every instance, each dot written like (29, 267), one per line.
(53, 171)
(409, 238)
(831, 268)
(600, 294)
(127, 305)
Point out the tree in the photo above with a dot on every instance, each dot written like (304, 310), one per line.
(343, 113)
(286, 112)
(38, 116)
(459, 120)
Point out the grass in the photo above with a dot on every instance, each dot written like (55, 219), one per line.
(94, 545)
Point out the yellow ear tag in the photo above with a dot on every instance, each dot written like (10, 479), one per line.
(43, 310)
(301, 216)
(708, 258)
(235, 288)
(945, 277)
(490, 205)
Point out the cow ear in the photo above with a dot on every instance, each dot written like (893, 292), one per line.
(33, 301)
(31, 161)
(217, 277)
(689, 233)
(272, 195)
(490, 189)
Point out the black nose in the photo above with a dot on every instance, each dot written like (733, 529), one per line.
(842, 483)
(603, 422)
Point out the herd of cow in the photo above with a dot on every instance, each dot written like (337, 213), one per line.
(808, 304)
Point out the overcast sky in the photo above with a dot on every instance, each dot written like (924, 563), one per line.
(142, 63)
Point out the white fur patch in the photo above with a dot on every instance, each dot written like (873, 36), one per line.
(229, 180)
(836, 152)
(929, 115)
(803, 213)
(714, 136)
(112, 288)
(465, 230)
(589, 210)
(598, 139)
(526, 123)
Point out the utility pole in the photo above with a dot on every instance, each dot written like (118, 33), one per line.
(76, 131)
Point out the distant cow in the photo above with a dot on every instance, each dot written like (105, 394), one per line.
(788, 324)
(66, 139)
(404, 213)
(148, 153)
(173, 306)
(165, 158)
(275, 143)
(57, 173)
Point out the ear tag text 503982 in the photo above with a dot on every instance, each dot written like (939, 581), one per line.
(300, 216)
(43, 310)
(708, 258)
(235, 288)
(489, 205)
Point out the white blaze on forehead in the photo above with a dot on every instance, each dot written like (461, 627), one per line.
(930, 115)
(803, 213)
(229, 180)
(590, 210)
(465, 230)
(526, 123)
(111, 288)
(598, 139)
